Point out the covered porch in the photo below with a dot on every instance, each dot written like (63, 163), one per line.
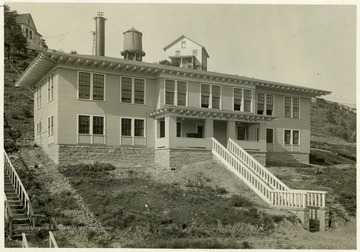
(194, 128)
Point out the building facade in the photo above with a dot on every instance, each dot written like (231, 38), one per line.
(34, 39)
(96, 108)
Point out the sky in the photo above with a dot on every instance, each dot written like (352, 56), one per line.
(307, 45)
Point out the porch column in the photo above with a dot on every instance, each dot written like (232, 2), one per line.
(170, 130)
(209, 128)
(231, 129)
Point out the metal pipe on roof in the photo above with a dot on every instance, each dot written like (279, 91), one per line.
(100, 34)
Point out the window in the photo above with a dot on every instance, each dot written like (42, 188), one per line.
(183, 44)
(132, 90)
(162, 128)
(260, 104)
(50, 125)
(175, 92)
(287, 137)
(139, 91)
(292, 107)
(91, 86)
(30, 34)
(216, 97)
(247, 100)
(205, 94)
(237, 99)
(295, 107)
(27, 32)
(170, 92)
(126, 127)
(84, 85)
(91, 125)
(84, 124)
(139, 127)
(38, 128)
(177, 53)
(38, 97)
(212, 91)
(195, 52)
(178, 129)
(98, 83)
(270, 136)
(181, 93)
(292, 137)
(265, 104)
(241, 132)
(50, 84)
(269, 104)
(126, 89)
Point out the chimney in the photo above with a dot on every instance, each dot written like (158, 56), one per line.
(100, 34)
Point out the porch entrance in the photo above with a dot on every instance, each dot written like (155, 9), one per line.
(220, 131)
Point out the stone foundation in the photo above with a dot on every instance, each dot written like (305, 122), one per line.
(118, 156)
(303, 215)
(176, 158)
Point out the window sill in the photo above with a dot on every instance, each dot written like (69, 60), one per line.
(131, 103)
(90, 100)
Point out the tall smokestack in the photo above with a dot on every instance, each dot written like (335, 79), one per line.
(100, 34)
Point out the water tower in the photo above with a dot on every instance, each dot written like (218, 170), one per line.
(133, 45)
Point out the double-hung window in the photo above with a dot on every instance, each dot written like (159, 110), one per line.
(91, 129)
(237, 99)
(38, 128)
(38, 97)
(50, 86)
(50, 131)
(265, 104)
(243, 100)
(132, 131)
(248, 97)
(91, 86)
(291, 137)
(210, 96)
(175, 92)
(292, 107)
(132, 90)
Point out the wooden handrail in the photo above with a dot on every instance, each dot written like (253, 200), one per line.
(278, 196)
(275, 183)
(8, 215)
(19, 188)
(24, 242)
(52, 241)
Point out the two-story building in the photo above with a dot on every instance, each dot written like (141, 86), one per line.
(29, 30)
(97, 108)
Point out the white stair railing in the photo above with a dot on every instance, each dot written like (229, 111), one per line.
(281, 198)
(256, 167)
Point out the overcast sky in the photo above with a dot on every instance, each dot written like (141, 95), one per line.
(307, 45)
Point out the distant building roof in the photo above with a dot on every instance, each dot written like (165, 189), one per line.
(182, 37)
(23, 19)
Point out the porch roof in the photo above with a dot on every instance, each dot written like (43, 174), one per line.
(208, 113)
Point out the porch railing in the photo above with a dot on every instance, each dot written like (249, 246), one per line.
(19, 188)
(252, 175)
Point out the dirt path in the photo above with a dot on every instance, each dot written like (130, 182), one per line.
(48, 175)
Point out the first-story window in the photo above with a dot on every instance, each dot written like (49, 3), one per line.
(84, 124)
(38, 128)
(98, 125)
(270, 136)
(126, 127)
(139, 127)
(50, 125)
(241, 132)
(162, 128)
(91, 129)
(292, 137)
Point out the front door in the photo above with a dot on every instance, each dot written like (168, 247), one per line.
(269, 139)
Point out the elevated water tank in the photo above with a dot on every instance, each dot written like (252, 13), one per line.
(133, 45)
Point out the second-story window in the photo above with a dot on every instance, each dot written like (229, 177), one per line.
(175, 92)
(50, 84)
(265, 104)
(215, 97)
(292, 107)
(91, 86)
(248, 100)
(170, 92)
(237, 99)
(205, 96)
(132, 90)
